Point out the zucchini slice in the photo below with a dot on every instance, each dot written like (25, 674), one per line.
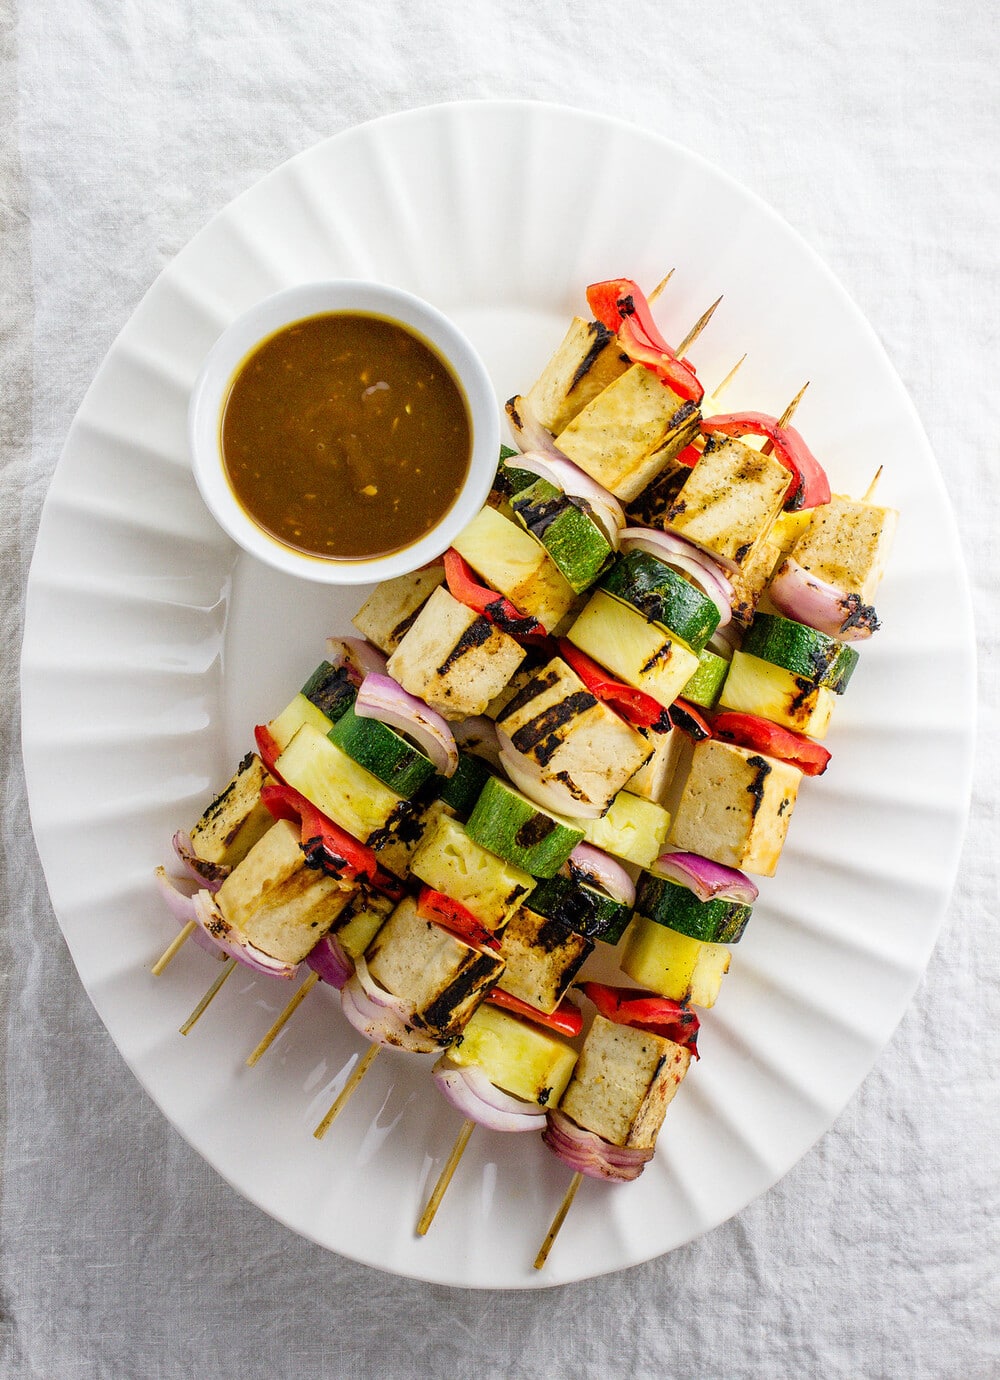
(663, 596)
(569, 534)
(329, 688)
(706, 684)
(582, 908)
(673, 905)
(801, 650)
(672, 964)
(382, 751)
(519, 831)
(461, 790)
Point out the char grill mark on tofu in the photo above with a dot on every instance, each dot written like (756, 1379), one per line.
(756, 786)
(587, 360)
(441, 976)
(541, 736)
(543, 957)
(476, 635)
(623, 1083)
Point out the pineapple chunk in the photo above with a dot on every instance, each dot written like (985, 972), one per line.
(581, 749)
(387, 614)
(236, 819)
(625, 436)
(517, 565)
(729, 501)
(735, 807)
(284, 726)
(585, 363)
(672, 964)
(281, 904)
(633, 828)
(847, 545)
(623, 1082)
(441, 977)
(396, 853)
(543, 957)
(754, 686)
(450, 862)
(453, 658)
(638, 652)
(344, 791)
(789, 527)
(515, 1055)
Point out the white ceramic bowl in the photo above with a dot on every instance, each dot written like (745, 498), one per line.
(314, 299)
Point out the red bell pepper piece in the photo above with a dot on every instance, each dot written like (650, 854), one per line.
(463, 586)
(689, 720)
(454, 917)
(638, 708)
(647, 1011)
(689, 456)
(620, 305)
(267, 748)
(332, 848)
(810, 486)
(751, 731)
(566, 1019)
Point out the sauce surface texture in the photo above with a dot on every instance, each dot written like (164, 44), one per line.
(345, 436)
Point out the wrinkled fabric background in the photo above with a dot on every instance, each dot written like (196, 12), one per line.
(874, 131)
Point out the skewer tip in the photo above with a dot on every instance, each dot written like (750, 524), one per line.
(347, 1091)
(558, 1220)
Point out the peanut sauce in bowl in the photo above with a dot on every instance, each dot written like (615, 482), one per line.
(345, 432)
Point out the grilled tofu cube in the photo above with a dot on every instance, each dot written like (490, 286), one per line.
(360, 921)
(653, 780)
(236, 819)
(454, 658)
(623, 1082)
(441, 976)
(629, 432)
(542, 956)
(735, 807)
(388, 613)
(515, 1055)
(281, 904)
(581, 748)
(633, 649)
(517, 565)
(450, 862)
(633, 828)
(344, 791)
(588, 359)
(755, 686)
(729, 501)
(847, 545)
(750, 581)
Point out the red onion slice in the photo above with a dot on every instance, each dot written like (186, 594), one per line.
(381, 697)
(233, 942)
(478, 735)
(328, 959)
(574, 482)
(379, 1016)
(724, 641)
(357, 656)
(179, 898)
(551, 795)
(529, 432)
(683, 555)
(590, 1154)
(470, 1092)
(211, 875)
(708, 880)
(799, 594)
(606, 871)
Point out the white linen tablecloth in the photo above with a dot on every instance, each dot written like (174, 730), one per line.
(874, 131)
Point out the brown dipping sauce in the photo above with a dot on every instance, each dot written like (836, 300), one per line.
(346, 436)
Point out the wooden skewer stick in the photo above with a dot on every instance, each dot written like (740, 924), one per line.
(786, 416)
(558, 1220)
(660, 286)
(173, 948)
(346, 1092)
(697, 329)
(279, 1024)
(444, 1179)
(870, 491)
(209, 996)
(720, 388)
